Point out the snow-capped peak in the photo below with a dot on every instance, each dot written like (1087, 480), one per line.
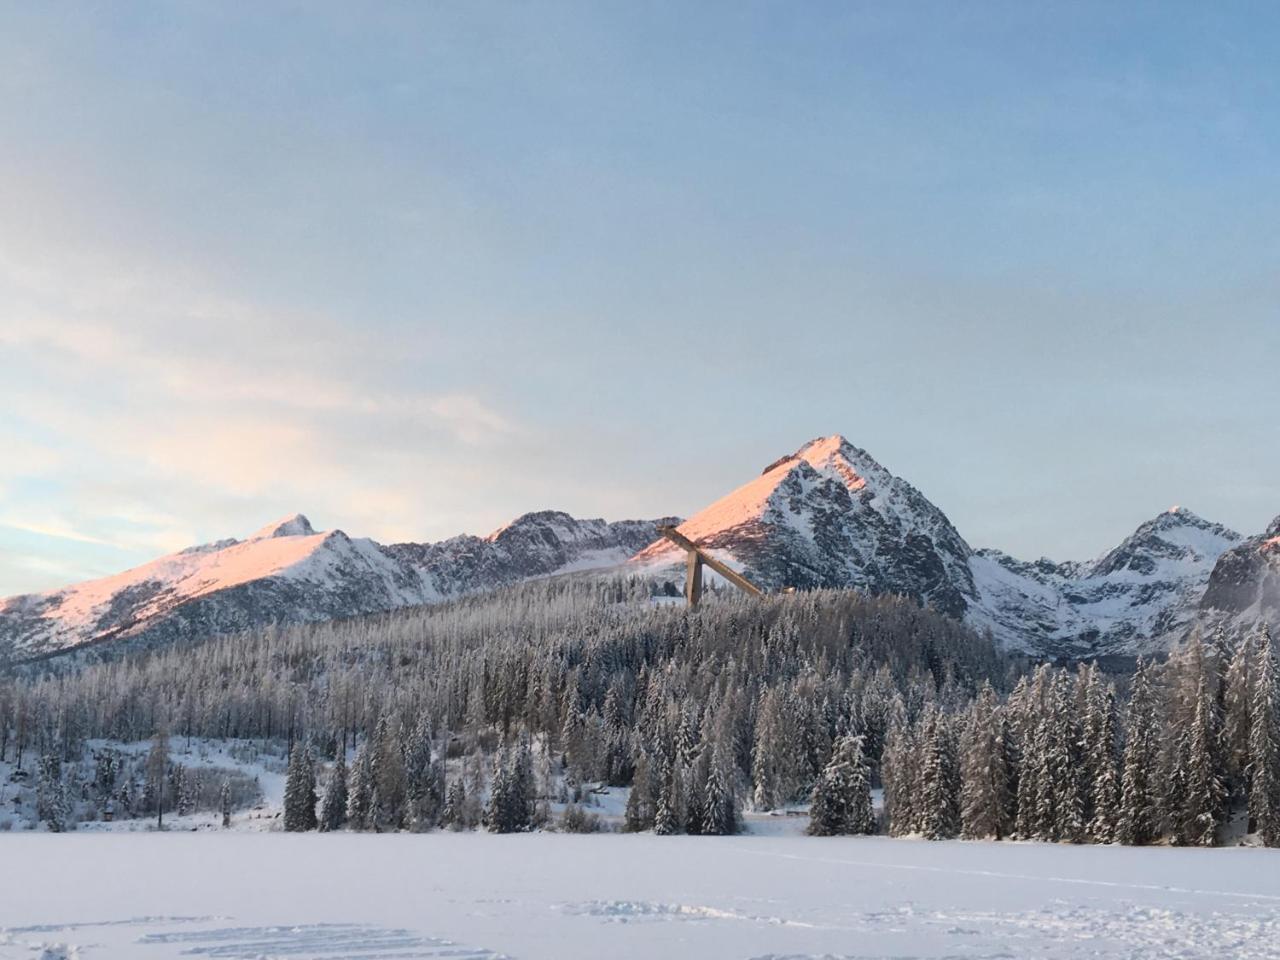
(830, 515)
(294, 525)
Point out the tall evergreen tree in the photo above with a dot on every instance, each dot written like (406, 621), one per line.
(52, 802)
(454, 815)
(1064, 763)
(424, 779)
(510, 806)
(984, 777)
(1101, 763)
(841, 801)
(1237, 718)
(666, 820)
(1264, 744)
(390, 782)
(719, 814)
(1138, 819)
(300, 791)
(939, 774)
(333, 810)
(360, 788)
(1203, 803)
(157, 769)
(224, 802)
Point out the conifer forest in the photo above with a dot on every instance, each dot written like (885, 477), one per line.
(873, 713)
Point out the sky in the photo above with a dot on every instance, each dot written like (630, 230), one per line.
(415, 268)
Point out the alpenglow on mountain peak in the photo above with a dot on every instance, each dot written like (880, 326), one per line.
(294, 525)
(831, 515)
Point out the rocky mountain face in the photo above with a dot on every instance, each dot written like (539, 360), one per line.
(1140, 596)
(830, 515)
(1245, 585)
(288, 573)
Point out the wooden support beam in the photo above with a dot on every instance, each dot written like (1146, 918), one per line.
(693, 578)
(699, 556)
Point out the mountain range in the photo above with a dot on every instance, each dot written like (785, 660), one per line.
(828, 515)
(287, 572)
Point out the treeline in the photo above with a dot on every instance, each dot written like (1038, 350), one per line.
(702, 712)
(483, 712)
(1197, 744)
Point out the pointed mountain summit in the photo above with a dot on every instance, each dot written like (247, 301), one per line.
(829, 515)
(296, 525)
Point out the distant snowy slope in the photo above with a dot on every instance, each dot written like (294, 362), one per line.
(287, 572)
(1142, 595)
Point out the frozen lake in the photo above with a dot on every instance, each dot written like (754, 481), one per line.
(555, 897)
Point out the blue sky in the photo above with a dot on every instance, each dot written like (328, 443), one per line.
(417, 268)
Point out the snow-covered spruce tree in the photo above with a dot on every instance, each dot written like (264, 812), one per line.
(984, 777)
(666, 819)
(1237, 718)
(1202, 808)
(157, 769)
(333, 808)
(105, 769)
(841, 799)
(939, 776)
(300, 791)
(1026, 709)
(1138, 820)
(899, 774)
(360, 788)
(639, 811)
(178, 795)
(720, 799)
(224, 802)
(454, 815)
(390, 782)
(52, 802)
(425, 778)
(1264, 744)
(1064, 763)
(510, 803)
(1101, 761)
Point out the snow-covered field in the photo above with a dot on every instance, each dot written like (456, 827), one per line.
(556, 897)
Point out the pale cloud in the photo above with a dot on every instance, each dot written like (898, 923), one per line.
(149, 411)
(55, 527)
(469, 418)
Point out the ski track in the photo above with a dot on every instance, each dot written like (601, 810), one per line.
(1028, 877)
(332, 941)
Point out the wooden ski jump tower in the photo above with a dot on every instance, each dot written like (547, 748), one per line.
(696, 557)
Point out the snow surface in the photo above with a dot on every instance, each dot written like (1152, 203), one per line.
(559, 897)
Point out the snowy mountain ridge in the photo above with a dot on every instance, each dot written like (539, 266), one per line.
(830, 515)
(288, 572)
